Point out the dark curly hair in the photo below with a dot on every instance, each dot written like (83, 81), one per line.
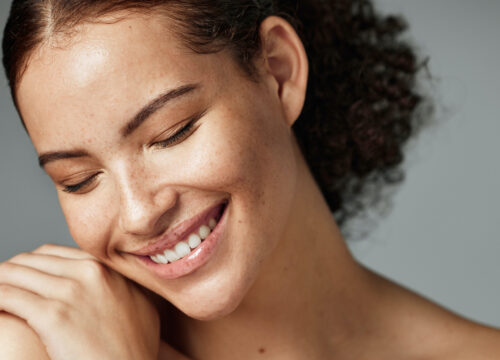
(361, 102)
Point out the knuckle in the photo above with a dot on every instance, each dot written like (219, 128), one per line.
(72, 289)
(6, 266)
(94, 270)
(58, 313)
(5, 290)
(22, 256)
(45, 247)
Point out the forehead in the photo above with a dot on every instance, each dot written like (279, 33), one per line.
(105, 72)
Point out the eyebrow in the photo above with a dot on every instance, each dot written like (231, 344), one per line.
(143, 114)
(155, 105)
(59, 155)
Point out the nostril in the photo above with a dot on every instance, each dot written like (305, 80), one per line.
(143, 207)
(166, 197)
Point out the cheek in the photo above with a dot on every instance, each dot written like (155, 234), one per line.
(246, 156)
(252, 159)
(88, 224)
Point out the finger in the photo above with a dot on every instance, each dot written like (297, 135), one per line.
(80, 271)
(37, 282)
(52, 264)
(63, 251)
(24, 304)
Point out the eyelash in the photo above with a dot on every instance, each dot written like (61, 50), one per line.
(179, 135)
(75, 188)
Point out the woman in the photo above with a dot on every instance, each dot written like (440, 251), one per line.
(199, 150)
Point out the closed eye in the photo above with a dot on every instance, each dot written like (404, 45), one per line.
(77, 187)
(181, 134)
(177, 137)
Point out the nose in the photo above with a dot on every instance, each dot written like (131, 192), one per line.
(142, 204)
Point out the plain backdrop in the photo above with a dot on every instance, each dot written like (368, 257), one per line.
(442, 237)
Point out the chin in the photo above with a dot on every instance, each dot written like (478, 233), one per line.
(216, 303)
(214, 312)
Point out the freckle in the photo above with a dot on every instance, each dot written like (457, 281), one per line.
(262, 350)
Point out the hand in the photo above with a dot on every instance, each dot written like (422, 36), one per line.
(79, 308)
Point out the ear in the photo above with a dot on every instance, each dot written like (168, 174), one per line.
(286, 65)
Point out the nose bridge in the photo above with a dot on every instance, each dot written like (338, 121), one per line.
(142, 199)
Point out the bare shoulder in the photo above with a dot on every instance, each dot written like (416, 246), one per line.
(18, 341)
(422, 329)
(450, 336)
(475, 341)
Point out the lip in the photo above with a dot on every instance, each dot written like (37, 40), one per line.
(180, 232)
(197, 258)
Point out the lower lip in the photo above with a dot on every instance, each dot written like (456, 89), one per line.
(195, 259)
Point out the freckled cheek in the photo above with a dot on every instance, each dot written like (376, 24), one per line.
(88, 224)
(224, 163)
(246, 158)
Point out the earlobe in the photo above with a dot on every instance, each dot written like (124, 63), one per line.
(286, 62)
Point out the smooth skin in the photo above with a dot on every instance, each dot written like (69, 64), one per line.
(281, 285)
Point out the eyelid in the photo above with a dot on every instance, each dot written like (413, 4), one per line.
(178, 135)
(81, 185)
(181, 133)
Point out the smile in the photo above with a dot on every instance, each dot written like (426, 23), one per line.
(184, 247)
(188, 246)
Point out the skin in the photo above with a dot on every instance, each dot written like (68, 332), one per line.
(282, 283)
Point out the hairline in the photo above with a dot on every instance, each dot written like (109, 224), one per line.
(56, 32)
(69, 31)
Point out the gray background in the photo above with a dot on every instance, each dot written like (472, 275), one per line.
(442, 238)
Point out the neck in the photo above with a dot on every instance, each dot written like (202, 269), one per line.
(306, 300)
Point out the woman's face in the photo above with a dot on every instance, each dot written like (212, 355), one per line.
(122, 189)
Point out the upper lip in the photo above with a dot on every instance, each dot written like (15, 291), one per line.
(179, 232)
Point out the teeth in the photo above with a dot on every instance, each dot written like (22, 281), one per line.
(204, 231)
(183, 248)
(171, 255)
(194, 240)
(162, 259)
